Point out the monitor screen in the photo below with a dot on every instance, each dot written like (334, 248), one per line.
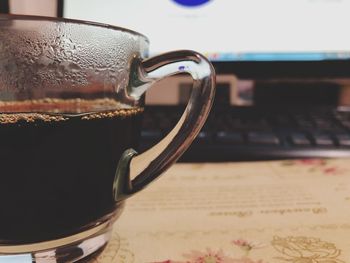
(232, 32)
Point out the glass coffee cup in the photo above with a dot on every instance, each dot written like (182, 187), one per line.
(71, 103)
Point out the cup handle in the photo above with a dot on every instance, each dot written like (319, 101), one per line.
(135, 171)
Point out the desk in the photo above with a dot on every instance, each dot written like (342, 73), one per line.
(285, 211)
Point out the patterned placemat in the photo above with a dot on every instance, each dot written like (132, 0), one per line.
(285, 211)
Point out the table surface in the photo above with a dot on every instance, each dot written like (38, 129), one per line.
(278, 211)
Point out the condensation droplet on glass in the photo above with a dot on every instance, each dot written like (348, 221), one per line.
(74, 67)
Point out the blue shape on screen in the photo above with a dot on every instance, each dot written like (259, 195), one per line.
(191, 3)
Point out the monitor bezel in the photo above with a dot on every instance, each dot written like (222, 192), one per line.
(325, 69)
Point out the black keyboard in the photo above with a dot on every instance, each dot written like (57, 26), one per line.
(251, 133)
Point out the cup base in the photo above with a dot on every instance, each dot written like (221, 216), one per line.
(68, 249)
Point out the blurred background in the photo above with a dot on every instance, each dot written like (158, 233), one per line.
(282, 70)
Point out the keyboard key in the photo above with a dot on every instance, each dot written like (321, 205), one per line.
(323, 139)
(342, 115)
(255, 124)
(281, 121)
(203, 137)
(229, 137)
(343, 139)
(304, 122)
(324, 123)
(346, 124)
(263, 138)
(300, 139)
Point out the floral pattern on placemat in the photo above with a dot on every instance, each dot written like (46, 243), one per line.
(324, 166)
(210, 255)
(302, 249)
(247, 246)
(294, 249)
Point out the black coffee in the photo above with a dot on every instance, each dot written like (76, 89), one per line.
(57, 170)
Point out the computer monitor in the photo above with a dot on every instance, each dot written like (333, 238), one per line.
(249, 38)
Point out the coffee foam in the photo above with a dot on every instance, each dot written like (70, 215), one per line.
(9, 118)
(123, 113)
(55, 110)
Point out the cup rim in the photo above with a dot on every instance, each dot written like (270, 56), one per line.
(69, 20)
